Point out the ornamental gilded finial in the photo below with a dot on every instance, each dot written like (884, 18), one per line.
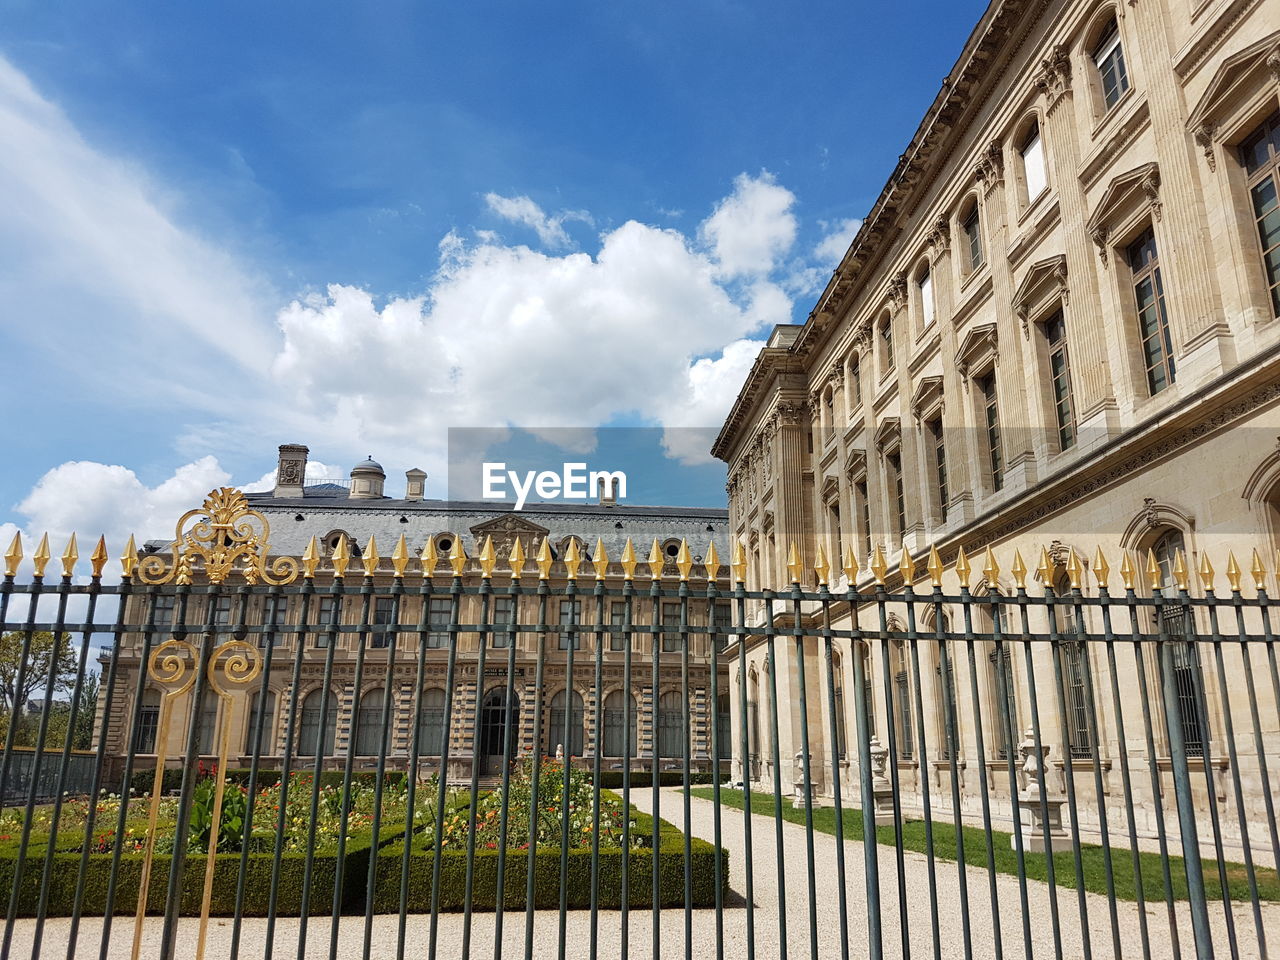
(40, 559)
(98, 559)
(684, 560)
(821, 567)
(739, 562)
(600, 559)
(544, 560)
(487, 557)
(369, 558)
(516, 559)
(458, 557)
(400, 557)
(711, 565)
(572, 559)
(850, 566)
(69, 557)
(655, 561)
(628, 560)
(795, 566)
(13, 556)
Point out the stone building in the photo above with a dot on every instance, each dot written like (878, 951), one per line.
(359, 510)
(1056, 328)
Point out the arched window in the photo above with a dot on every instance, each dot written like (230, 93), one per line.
(1035, 177)
(948, 707)
(971, 245)
(431, 723)
(1108, 58)
(753, 717)
(559, 715)
(619, 716)
(267, 740)
(924, 289)
(884, 333)
(1188, 676)
(369, 723)
(144, 735)
(670, 725)
(207, 726)
(902, 699)
(313, 736)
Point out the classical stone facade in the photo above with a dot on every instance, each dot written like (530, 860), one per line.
(1056, 328)
(359, 510)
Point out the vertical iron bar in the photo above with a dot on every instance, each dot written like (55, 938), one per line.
(744, 738)
(891, 737)
(870, 859)
(922, 765)
(566, 767)
(598, 729)
(655, 633)
(836, 758)
(486, 585)
(629, 723)
(531, 859)
(686, 729)
(951, 732)
(415, 750)
(771, 668)
(455, 595)
(873, 877)
(510, 731)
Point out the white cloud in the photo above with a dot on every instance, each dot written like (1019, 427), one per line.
(753, 228)
(90, 255)
(839, 234)
(550, 230)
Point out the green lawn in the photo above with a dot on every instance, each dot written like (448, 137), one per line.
(1093, 858)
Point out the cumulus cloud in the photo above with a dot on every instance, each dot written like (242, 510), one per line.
(522, 210)
(753, 228)
(839, 234)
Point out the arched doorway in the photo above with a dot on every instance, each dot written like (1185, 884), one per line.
(499, 728)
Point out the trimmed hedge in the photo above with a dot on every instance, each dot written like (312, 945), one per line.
(612, 779)
(66, 866)
(142, 780)
(453, 865)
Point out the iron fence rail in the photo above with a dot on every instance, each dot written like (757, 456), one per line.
(1187, 804)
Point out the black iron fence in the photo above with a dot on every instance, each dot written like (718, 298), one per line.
(621, 757)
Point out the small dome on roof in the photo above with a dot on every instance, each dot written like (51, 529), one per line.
(368, 464)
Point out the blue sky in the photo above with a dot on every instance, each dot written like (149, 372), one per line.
(354, 226)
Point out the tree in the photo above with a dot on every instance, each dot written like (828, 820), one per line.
(40, 659)
(83, 734)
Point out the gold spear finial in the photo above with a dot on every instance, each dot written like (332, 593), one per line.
(572, 559)
(311, 559)
(794, 565)
(991, 569)
(370, 557)
(1206, 572)
(906, 565)
(400, 557)
(600, 559)
(1128, 573)
(543, 560)
(1101, 569)
(1019, 570)
(98, 559)
(1074, 569)
(341, 556)
(851, 567)
(878, 565)
(13, 556)
(739, 562)
(628, 560)
(1046, 568)
(963, 569)
(711, 565)
(684, 560)
(1154, 577)
(1233, 571)
(40, 559)
(1180, 570)
(516, 559)
(429, 558)
(935, 567)
(488, 558)
(821, 567)
(655, 561)
(69, 557)
(458, 557)
(1259, 571)
(129, 559)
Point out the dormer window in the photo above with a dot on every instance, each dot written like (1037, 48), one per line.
(1108, 57)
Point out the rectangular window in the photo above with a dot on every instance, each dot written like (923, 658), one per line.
(324, 616)
(1153, 321)
(382, 608)
(1032, 152)
(926, 297)
(833, 522)
(162, 606)
(864, 518)
(723, 615)
(898, 492)
(886, 346)
(671, 639)
(1108, 55)
(973, 239)
(990, 418)
(855, 384)
(939, 466)
(617, 616)
(1260, 155)
(1055, 335)
(438, 615)
(273, 614)
(502, 607)
(221, 611)
(570, 613)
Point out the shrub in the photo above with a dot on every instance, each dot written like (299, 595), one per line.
(612, 779)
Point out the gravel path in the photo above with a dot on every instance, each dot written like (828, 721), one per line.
(702, 938)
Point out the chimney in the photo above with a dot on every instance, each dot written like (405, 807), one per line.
(606, 501)
(291, 471)
(415, 484)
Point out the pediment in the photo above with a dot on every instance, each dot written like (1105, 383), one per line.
(1044, 281)
(888, 433)
(979, 344)
(1136, 188)
(830, 489)
(928, 393)
(508, 528)
(1235, 72)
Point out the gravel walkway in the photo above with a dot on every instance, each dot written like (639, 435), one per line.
(702, 937)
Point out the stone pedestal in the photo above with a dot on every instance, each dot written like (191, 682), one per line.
(812, 788)
(1041, 816)
(881, 788)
